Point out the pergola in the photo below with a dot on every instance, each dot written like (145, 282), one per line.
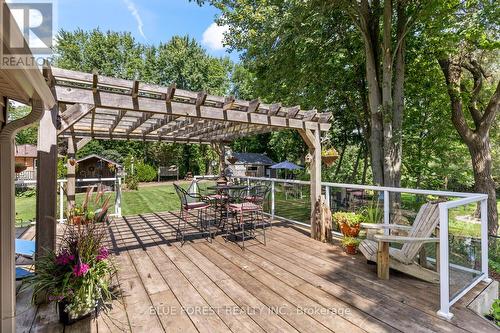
(92, 106)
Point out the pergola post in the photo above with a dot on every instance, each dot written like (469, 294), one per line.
(46, 185)
(312, 139)
(71, 175)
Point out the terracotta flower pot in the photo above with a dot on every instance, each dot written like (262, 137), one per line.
(351, 249)
(350, 231)
(78, 219)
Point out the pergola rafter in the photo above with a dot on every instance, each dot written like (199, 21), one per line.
(130, 109)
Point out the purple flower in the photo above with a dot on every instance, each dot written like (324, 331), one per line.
(64, 258)
(103, 254)
(80, 269)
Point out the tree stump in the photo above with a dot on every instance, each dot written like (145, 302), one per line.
(321, 223)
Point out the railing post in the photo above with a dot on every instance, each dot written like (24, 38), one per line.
(118, 197)
(327, 195)
(484, 239)
(387, 211)
(61, 202)
(272, 199)
(444, 278)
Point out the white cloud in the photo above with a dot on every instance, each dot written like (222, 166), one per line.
(213, 36)
(135, 13)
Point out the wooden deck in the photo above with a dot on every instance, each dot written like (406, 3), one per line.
(293, 284)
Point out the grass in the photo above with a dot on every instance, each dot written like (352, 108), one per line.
(147, 199)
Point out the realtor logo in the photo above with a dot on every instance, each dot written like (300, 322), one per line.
(27, 31)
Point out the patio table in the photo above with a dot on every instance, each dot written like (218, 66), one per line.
(220, 202)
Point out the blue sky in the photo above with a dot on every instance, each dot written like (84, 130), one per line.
(150, 21)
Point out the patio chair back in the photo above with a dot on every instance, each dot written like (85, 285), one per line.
(424, 225)
(258, 194)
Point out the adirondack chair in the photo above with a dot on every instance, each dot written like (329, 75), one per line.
(404, 259)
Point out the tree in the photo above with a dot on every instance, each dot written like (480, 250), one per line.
(466, 46)
(476, 137)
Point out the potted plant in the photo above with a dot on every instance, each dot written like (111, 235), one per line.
(78, 275)
(19, 167)
(93, 209)
(329, 156)
(350, 244)
(348, 222)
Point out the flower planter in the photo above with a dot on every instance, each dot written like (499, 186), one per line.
(18, 168)
(350, 231)
(232, 160)
(66, 319)
(351, 249)
(329, 159)
(78, 220)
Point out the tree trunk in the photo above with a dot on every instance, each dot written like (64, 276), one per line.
(477, 140)
(479, 150)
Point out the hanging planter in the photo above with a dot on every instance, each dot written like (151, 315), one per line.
(19, 167)
(329, 156)
(72, 161)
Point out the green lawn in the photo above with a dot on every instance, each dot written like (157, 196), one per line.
(147, 199)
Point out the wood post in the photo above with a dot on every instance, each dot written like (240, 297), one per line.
(383, 260)
(46, 186)
(7, 229)
(71, 176)
(312, 139)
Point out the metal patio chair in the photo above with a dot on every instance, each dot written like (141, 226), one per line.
(191, 203)
(246, 214)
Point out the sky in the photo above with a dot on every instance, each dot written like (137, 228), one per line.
(149, 21)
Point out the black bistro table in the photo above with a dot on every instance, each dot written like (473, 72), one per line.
(221, 201)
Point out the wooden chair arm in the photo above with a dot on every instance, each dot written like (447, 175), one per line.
(401, 239)
(385, 226)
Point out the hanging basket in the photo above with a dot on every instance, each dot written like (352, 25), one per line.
(232, 160)
(19, 167)
(329, 156)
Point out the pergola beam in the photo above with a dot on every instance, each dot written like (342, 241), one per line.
(112, 100)
(137, 137)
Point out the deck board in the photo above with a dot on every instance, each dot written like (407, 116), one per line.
(291, 284)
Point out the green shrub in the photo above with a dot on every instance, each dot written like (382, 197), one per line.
(25, 192)
(132, 182)
(145, 172)
(495, 312)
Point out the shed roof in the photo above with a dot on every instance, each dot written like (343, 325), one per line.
(98, 157)
(26, 150)
(253, 158)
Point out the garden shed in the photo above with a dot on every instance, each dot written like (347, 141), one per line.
(250, 164)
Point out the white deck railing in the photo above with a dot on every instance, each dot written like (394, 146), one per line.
(117, 189)
(461, 199)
